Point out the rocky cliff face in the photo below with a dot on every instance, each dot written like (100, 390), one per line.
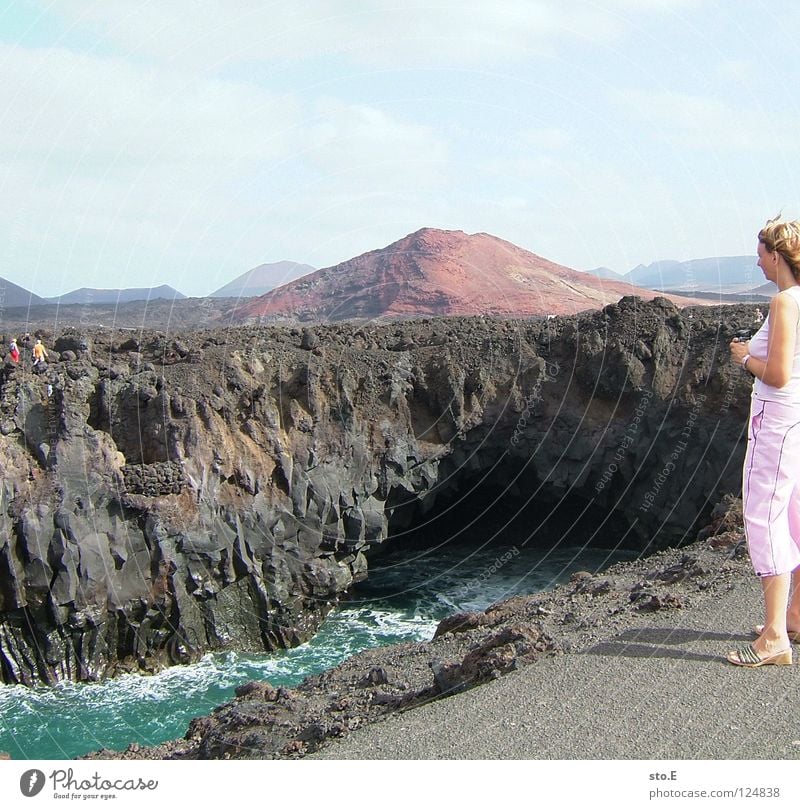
(221, 490)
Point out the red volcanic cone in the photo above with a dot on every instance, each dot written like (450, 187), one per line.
(441, 272)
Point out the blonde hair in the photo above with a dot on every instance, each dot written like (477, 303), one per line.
(785, 238)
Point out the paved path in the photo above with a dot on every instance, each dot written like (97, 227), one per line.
(663, 691)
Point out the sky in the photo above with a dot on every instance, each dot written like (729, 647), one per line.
(148, 142)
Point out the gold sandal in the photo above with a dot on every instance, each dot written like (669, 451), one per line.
(748, 657)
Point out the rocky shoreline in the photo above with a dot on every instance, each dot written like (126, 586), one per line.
(264, 722)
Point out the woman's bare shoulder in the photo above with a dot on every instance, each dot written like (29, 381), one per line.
(786, 302)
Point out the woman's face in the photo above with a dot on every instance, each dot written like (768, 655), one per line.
(766, 261)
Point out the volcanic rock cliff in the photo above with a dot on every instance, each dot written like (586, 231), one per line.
(163, 496)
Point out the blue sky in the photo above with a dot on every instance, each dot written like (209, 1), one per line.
(179, 142)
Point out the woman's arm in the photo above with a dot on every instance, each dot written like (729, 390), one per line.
(776, 370)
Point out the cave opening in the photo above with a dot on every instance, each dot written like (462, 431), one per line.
(482, 535)
(506, 505)
(485, 534)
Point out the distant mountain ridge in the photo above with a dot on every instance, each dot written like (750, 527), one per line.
(14, 295)
(437, 273)
(88, 295)
(262, 279)
(607, 274)
(722, 274)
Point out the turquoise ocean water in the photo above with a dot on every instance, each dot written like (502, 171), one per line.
(406, 596)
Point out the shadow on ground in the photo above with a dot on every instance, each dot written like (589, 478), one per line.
(660, 642)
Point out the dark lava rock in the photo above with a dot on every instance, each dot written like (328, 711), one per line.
(331, 704)
(503, 651)
(258, 690)
(377, 676)
(645, 598)
(309, 340)
(460, 622)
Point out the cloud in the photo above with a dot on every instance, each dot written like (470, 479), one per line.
(740, 71)
(53, 101)
(697, 122)
(382, 33)
(551, 138)
(367, 147)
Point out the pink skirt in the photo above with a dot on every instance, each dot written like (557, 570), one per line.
(771, 487)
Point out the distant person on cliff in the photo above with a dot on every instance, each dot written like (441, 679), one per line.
(771, 475)
(39, 356)
(39, 352)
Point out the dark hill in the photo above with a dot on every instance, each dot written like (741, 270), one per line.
(86, 295)
(14, 295)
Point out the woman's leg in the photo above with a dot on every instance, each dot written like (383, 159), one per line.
(776, 600)
(793, 613)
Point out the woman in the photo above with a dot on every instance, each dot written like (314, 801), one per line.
(771, 475)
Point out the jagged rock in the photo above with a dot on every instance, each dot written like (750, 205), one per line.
(582, 580)
(258, 690)
(461, 622)
(727, 539)
(503, 651)
(644, 596)
(601, 587)
(293, 748)
(76, 343)
(652, 602)
(338, 700)
(309, 340)
(131, 344)
(725, 517)
(376, 676)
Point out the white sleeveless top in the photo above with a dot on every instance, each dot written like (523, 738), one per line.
(790, 392)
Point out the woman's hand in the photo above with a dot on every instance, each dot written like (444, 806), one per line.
(739, 351)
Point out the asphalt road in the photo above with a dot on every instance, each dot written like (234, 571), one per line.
(662, 691)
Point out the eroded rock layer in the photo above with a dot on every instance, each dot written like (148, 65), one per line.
(163, 495)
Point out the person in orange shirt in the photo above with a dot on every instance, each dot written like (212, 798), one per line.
(39, 353)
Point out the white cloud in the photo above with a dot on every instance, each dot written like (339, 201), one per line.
(365, 146)
(382, 32)
(691, 121)
(56, 101)
(655, 5)
(740, 71)
(551, 138)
